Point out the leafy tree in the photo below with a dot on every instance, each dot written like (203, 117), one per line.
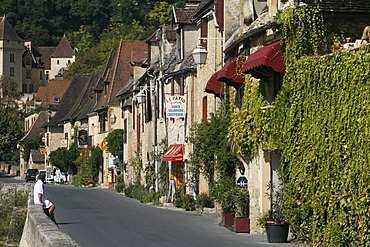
(85, 168)
(64, 159)
(28, 145)
(10, 121)
(161, 14)
(93, 59)
(114, 142)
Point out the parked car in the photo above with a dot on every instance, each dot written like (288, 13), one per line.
(31, 174)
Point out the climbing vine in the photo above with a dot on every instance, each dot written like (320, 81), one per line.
(247, 126)
(303, 32)
(320, 122)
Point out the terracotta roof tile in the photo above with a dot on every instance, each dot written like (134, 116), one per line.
(55, 90)
(40, 93)
(72, 94)
(7, 32)
(117, 74)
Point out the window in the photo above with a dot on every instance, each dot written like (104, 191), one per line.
(12, 57)
(204, 32)
(24, 88)
(102, 118)
(57, 61)
(28, 74)
(31, 88)
(56, 100)
(40, 75)
(47, 75)
(204, 108)
(11, 71)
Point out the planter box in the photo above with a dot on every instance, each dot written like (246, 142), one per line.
(241, 225)
(277, 233)
(228, 219)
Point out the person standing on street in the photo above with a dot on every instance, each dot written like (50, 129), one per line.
(39, 198)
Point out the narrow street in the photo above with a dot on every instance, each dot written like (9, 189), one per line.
(102, 217)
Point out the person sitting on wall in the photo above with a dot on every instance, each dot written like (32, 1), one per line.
(242, 180)
(39, 198)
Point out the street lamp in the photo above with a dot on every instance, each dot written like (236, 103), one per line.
(200, 55)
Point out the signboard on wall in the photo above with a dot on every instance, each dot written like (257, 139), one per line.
(175, 106)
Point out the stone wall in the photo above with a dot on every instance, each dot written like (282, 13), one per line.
(39, 230)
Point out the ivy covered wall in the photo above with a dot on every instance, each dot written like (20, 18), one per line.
(322, 125)
(320, 122)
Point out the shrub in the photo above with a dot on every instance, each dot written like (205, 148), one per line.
(188, 202)
(204, 201)
(152, 197)
(120, 186)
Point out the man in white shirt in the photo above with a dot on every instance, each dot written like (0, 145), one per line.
(39, 197)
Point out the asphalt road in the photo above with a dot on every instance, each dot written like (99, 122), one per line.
(102, 217)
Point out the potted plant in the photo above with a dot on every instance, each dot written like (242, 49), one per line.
(224, 194)
(274, 221)
(241, 220)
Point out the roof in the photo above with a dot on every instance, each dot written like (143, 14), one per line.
(37, 156)
(85, 102)
(184, 15)
(118, 70)
(55, 90)
(63, 50)
(46, 52)
(40, 93)
(72, 94)
(203, 7)
(353, 6)
(37, 129)
(7, 32)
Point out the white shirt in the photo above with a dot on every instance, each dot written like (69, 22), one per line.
(38, 189)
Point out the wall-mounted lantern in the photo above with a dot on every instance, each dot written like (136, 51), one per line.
(200, 55)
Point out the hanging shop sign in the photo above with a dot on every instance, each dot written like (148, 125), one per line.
(175, 106)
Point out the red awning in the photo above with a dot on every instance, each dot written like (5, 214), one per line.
(174, 153)
(214, 86)
(260, 63)
(232, 73)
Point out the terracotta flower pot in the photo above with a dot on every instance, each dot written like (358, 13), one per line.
(228, 219)
(241, 225)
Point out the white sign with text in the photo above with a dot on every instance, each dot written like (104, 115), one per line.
(175, 106)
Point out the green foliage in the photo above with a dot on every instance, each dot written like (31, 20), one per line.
(248, 127)
(29, 145)
(320, 122)
(188, 202)
(204, 201)
(136, 191)
(163, 178)
(303, 32)
(212, 150)
(85, 168)
(120, 186)
(64, 158)
(152, 197)
(114, 142)
(137, 164)
(13, 211)
(224, 193)
(161, 14)
(242, 202)
(10, 121)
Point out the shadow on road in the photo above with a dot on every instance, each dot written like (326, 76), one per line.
(68, 223)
